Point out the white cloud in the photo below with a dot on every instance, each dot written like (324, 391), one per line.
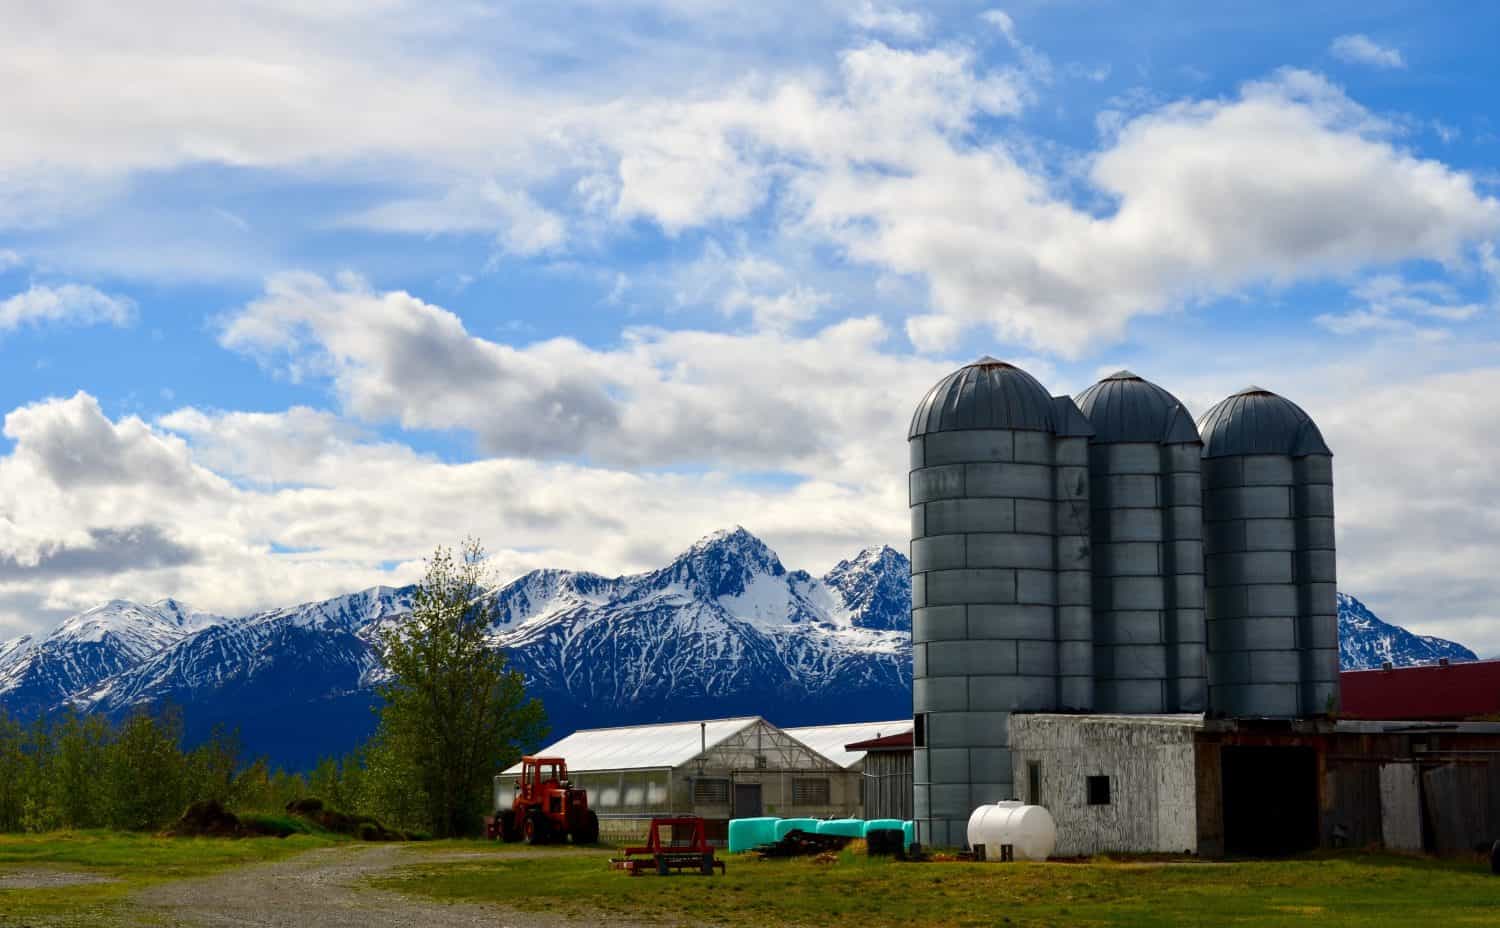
(70, 304)
(744, 283)
(340, 510)
(898, 159)
(1001, 20)
(523, 227)
(1392, 303)
(894, 21)
(9, 259)
(1411, 424)
(1207, 200)
(762, 400)
(1357, 48)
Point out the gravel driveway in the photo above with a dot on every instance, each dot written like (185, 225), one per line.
(322, 888)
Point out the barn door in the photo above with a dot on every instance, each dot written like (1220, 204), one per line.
(747, 800)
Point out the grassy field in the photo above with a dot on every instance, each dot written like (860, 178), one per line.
(1368, 891)
(120, 863)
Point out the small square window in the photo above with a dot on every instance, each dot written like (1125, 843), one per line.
(1098, 791)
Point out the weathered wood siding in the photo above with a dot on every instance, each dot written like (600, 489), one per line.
(888, 784)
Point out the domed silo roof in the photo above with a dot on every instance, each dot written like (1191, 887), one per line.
(1257, 421)
(987, 394)
(1124, 407)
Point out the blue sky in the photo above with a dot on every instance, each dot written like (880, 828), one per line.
(288, 297)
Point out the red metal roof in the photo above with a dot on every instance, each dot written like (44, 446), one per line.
(1431, 692)
(897, 742)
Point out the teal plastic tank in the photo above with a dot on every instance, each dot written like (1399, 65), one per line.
(911, 832)
(894, 824)
(746, 833)
(847, 827)
(788, 825)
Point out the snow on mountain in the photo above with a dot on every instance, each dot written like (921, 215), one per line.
(90, 647)
(544, 593)
(235, 653)
(1366, 642)
(875, 588)
(723, 630)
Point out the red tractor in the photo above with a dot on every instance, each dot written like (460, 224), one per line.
(546, 807)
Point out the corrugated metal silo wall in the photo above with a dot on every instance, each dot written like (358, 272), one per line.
(1272, 614)
(1148, 577)
(1317, 583)
(988, 537)
(1075, 608)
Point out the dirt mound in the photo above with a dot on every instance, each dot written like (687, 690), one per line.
(363, 827)
(209, 819)
(308, 806)
(206, 818)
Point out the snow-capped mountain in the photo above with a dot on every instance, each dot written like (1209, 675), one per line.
(1365, 642)
(875, 588)
(90, 647)
(725, 629)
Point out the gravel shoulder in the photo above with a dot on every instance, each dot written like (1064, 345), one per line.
(324, 888)
(46, 878)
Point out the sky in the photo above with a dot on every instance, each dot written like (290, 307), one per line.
(291, 293)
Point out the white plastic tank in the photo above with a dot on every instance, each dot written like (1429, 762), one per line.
(1029, 830)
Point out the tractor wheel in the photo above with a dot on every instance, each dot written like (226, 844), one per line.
(535, 830)
(587, 831)
(510, 831)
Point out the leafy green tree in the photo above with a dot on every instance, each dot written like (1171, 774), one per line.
(453, 713)
(34, 811)
(391, 788)
(211, 766)
(13, 768)
(145, 773)
(79, 748)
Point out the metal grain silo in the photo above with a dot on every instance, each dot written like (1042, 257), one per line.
(1268, 531)
(1146, 497)
(1001, 617)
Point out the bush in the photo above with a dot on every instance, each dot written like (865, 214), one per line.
(278, 826)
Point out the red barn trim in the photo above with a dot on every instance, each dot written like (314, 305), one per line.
(1430, 692)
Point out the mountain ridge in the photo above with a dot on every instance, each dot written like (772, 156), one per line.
(724, 629)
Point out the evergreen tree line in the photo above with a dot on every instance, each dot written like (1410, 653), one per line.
(453, 716)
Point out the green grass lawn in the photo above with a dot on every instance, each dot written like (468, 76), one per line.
(1355, 890)
(128, 861)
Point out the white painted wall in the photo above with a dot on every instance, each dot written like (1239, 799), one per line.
(1150, 763)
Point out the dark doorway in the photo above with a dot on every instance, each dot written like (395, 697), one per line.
(1270, 801)
(747, 800)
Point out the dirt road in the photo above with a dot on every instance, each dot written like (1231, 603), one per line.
(321, 889)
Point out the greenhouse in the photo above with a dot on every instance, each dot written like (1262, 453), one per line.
(719, 769)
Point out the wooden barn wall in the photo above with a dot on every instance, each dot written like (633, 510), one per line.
(888, 784)
(1427, 790)
(1210, 799)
